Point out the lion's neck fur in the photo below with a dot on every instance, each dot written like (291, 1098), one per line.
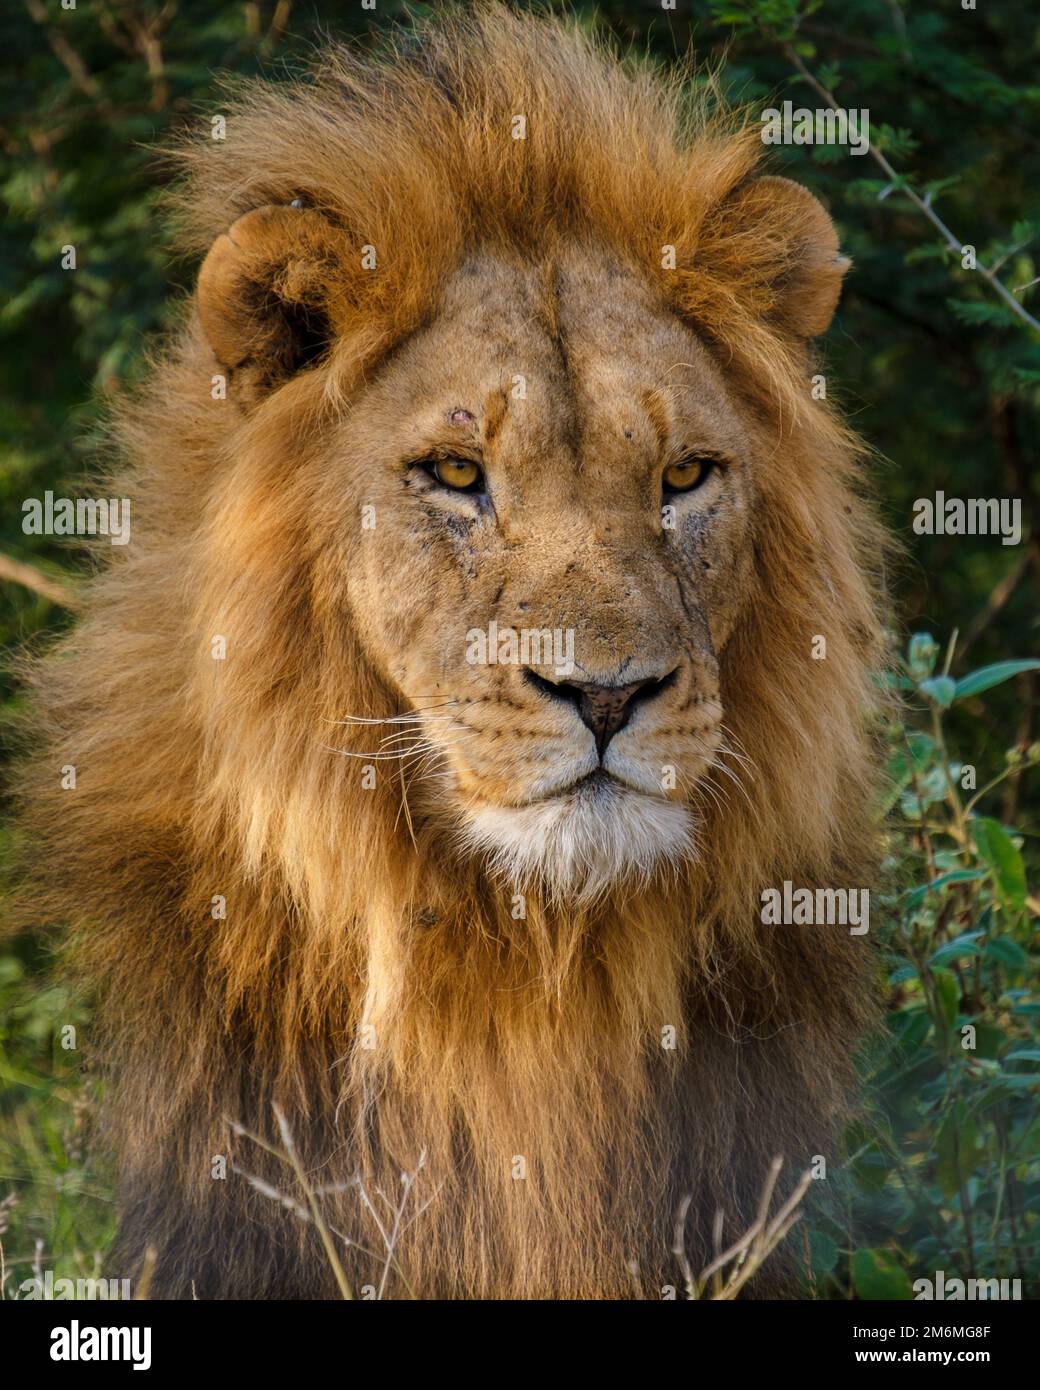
(577, 1073)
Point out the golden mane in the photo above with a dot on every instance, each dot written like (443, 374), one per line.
(199, 780)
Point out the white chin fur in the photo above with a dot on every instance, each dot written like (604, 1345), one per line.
(576, 846)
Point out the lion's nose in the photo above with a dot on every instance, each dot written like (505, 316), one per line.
(603, 708)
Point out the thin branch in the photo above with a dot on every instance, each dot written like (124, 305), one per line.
(923, 205)
(312, 1202)
(144, 1282)
(995, 603)
(147, 32)
(279, 20)
(18, 572)
(746, 1256)
(68, 57)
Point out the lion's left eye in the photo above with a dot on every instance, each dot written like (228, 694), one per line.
(458, 474)
(687, 474)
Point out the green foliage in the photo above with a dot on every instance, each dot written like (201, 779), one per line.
(938, 374)
(56, 1207)
(944, 1166)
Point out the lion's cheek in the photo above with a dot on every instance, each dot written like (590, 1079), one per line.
(715, 570)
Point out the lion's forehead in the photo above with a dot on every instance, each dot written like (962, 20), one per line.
(574, 362)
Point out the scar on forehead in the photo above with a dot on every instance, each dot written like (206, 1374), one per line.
(654, 405)
(460, 416)
(495, 408)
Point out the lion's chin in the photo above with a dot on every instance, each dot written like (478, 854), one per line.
(576, 846)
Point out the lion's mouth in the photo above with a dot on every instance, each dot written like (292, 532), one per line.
(587, 789)
(579, 839)
(598, 787)
(593, 786)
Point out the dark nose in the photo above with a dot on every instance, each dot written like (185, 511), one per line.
(603, 708)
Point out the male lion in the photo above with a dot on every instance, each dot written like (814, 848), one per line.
(494, 337)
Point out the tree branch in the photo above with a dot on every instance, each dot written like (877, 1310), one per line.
(923, 205)
(57, 591)
(997, 599)
(68, 57)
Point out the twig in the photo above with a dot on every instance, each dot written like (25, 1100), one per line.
(144, 1283)
(279, 20)
(747, 1254)
(18, 572)
(997, 599)
(923, 205)
(68, 57)
(312, 1202)
(679, 1247)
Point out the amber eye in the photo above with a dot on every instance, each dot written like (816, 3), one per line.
(459, 474)
(687, 474)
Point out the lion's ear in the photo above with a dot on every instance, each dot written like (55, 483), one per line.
(263, 293)
(807, 266)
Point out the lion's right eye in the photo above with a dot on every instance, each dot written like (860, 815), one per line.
(458, 474)
(687, 473)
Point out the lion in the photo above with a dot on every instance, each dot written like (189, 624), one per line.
(497, 626)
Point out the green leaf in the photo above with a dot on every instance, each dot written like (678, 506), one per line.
(824, 1252)
(988, 1041)
(949, 992)
(988, 676)
(998, 852)
(937, 186)
(957, 1149)
(993, 315)
(902, 973)
(902, 769)
(1007, 952)
(963, 945)
(872, 1169)
(911, 1027)
(876, 1276)
(941, 690)
(921, 653)
(915, 896)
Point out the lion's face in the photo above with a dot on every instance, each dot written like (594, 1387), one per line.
(554, 488)
(535, 510)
